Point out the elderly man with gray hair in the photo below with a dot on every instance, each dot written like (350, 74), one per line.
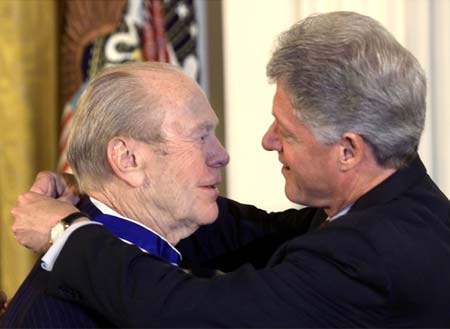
(348, 111)
(143, 148)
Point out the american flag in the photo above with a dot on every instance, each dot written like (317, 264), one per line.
(97, 34)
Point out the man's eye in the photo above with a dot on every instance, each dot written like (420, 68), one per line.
(286, 136)
(283, 133)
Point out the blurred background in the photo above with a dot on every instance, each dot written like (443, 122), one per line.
(50, 48)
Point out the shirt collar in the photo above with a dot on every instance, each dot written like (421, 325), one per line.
(109, 211)
(341, 213)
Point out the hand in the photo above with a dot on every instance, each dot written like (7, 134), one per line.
(34, 216)
(3, 302)
(63, 187)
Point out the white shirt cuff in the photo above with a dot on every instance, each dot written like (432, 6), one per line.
(49, 259)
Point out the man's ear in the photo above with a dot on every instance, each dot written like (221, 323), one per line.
(352, 148)
(125, 160)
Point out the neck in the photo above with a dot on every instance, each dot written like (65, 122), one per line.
(355, 183)
(128, 204)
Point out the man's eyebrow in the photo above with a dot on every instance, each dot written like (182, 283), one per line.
(279, 122)
(275, 116)
(207, 125)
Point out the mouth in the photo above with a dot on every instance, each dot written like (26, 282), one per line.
(285, 169)
(210, 191)
(213, 186)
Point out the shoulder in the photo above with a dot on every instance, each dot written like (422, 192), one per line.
(31, 306)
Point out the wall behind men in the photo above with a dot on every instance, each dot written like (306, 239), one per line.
(250, 28)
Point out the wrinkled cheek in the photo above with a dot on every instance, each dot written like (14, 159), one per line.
(185, 158)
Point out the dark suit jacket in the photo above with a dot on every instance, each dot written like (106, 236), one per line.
(32, 307)
(384, 264)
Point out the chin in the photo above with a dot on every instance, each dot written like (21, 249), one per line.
(208, 215)
(296, 197)
(290, 194)
(205, 215)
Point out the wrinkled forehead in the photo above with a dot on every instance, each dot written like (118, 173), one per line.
(186, 107)
(190, 116)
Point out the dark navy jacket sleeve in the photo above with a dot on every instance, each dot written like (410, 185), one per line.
(133, 289)
(244, 234)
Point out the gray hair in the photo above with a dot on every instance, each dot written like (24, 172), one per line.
(345, 72)
(115, 103)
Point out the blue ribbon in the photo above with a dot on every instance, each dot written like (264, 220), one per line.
(139, 236)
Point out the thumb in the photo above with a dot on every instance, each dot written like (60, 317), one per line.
(45, 184)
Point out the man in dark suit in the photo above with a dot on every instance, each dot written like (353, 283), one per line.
(348, 112)
(132, 125)
(32, 307)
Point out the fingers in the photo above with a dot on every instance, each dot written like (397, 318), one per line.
(35, 213)
(30, 234)
(70, 191)
(31, 228)
(20, 221)
(70, 181)
(29, 198)
(45, 183)
(62, 186)
(34, 216)
(3, 302)
(64, 182)
(3, 297)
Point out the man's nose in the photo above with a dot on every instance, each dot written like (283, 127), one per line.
(270, 141)
(218, 157)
